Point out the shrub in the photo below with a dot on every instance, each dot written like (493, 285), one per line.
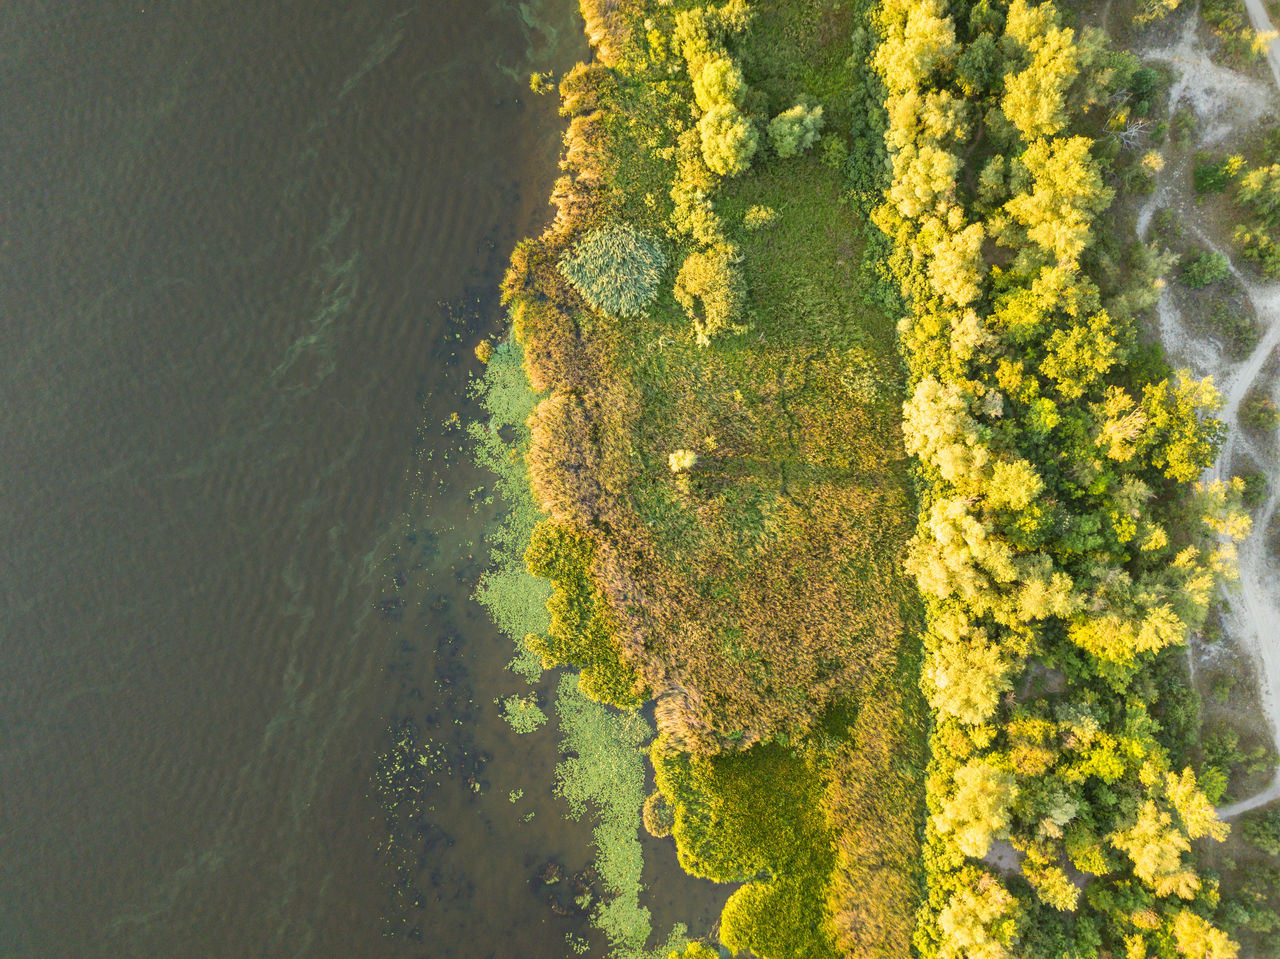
(581, 631)
(522, 713)
(1258, 412)
(1255, 490)
(1260, 192)
(712, 291)
(1263, 831)
(1204, 269)
(616, 268)
(1235, 327)
(760, 217)
(658, 816)
(1257, 246)
(794, 131)
(729, 140)
(1213, 176)
(681, 461)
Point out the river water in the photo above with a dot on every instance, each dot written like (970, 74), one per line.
(245, 252)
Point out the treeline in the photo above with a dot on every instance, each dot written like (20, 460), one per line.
(1064, 550)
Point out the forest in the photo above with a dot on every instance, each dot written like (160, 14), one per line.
(837, 443)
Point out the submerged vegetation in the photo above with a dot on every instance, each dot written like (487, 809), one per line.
(828, 427)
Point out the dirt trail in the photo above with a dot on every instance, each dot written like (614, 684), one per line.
(1261, 23)
(1226, 102)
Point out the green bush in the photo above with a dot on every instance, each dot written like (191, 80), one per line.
(1263, 831)
(616, 268)
(1234, 327)
(1214, 176)
(712, 291)
(729, 140)
(1255, 490)
(794, 131)
(1204, 269)
(1258, 412)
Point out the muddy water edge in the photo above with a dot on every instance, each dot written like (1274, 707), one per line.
(246, 701)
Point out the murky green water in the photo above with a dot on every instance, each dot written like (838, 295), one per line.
(245, 252)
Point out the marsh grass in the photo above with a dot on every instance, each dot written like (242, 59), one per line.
(757, 592)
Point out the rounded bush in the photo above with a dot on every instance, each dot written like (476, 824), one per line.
(659, 817)
(729, 140)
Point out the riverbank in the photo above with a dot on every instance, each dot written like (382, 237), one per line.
(718, 460)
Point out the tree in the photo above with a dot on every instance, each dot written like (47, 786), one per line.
(938, 428)
(980, 67)
(980, 921)
(923, 176)
(1263, 831)
(1260, 192)
(918, 37)
(1156, 846)
(979, 810)
(794, 131)
(1198, 816)
(719, 82)
(1035, 98)
(729, 140)
(1053, 887)
(957, 270)
(1079, 355)
(966, 675)
(1197, 938)
(1067, 194)
(1177, 439)
(1014, 485)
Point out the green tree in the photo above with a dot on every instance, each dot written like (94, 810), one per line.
(1260, 192)
(729, 140)
(719, 82)
(1068, 192)
(981, 67)
(794, 131)
(1263, 831)
(979, 810)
